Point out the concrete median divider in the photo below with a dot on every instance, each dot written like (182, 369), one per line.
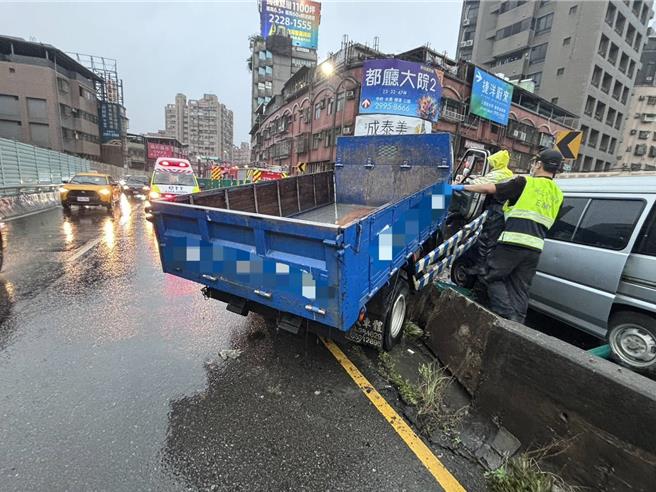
(28, 202)
(542, 390)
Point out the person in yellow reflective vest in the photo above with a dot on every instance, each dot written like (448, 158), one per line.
(531, 207)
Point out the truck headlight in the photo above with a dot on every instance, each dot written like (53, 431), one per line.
(62, 190)
(104, 191)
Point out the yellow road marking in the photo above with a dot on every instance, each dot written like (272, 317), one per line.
(416, 445)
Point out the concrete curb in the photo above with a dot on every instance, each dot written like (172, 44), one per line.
(542, 389)
(27, 203)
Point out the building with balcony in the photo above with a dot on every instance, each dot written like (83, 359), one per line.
(582, 56)
(273, 61)
(241, 156)
(638, 148)
(301, 124)
(204, 124)
(48, 99)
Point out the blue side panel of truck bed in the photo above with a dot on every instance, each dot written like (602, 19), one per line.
(322, 272)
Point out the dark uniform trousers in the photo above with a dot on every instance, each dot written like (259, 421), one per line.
(510, 272)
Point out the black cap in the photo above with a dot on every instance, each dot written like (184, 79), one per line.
(551, 160)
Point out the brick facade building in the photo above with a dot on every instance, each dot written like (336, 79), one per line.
(301, 124)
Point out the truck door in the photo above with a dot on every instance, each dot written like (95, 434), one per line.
(472, 165)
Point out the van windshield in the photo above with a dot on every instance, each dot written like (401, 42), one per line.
(162, 178)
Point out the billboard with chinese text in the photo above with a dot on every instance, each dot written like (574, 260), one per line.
(399, 87)
(491, 97)
(298, 19)
(110, 121)
(387, 124)
(156, 150)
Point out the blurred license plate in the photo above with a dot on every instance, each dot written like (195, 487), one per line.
(82, 198)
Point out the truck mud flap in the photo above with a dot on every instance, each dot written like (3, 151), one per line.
(435, 262)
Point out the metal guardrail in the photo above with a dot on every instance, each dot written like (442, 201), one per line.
(27, 189)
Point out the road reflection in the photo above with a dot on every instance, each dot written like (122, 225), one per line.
(7, 301)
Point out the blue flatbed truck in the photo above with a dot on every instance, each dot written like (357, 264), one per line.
(331, 251)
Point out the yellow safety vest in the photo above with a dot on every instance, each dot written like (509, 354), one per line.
(536, 210)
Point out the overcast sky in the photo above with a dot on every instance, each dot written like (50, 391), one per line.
(197, 48)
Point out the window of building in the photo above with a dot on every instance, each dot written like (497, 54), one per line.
(610, 14)
(538, 53)
(514, 29)
(510, 4)
(596, 76)
(536, 77)
(339, 106)
(11, 130)
(651, 100)
(617, 90)
(40, 134)
(632, 65)
(560, 71)
(600, 111)
(589, 105)
(543, 24)
(652, 151)
(262, 55)
(316, 139)
(640, 150)
(611, 147)
(584, 129)
(269, 55)
(625, 95)
(644, 16)
(9, 107)
(618, 120)
(624, 63)
(63, 85)
(610, 117)
(573, 9)
(567, 41)
(554, 100)
(638, 42)
(605, 140)
(635, 8)
(605, 85)
(608, 224)
(37, 108)
(603, 46)
(612, 53)
(260, 87)
(592, 140)
(568, 218)
(630, 34)
(619, 23)
(599, 165)
(317, 111)
(643, 135)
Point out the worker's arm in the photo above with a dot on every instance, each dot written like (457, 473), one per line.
(485, 188)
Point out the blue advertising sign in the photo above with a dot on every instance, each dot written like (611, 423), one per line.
(491, 97)
(110, 121)
(298, 19)
(399, 87)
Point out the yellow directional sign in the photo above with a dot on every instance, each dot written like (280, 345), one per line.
(568, 143)
(301, 167)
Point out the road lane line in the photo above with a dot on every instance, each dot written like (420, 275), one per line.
(446, 480)
(84, 248)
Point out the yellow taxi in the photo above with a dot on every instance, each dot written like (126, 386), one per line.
(90, 189)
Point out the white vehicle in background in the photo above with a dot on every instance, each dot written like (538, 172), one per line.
(172, 177)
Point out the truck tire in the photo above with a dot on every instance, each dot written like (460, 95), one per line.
(632, 340)
(396, 313)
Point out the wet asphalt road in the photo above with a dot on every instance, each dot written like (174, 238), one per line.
(110, 379)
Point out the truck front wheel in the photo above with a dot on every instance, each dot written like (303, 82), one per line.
(395, 318)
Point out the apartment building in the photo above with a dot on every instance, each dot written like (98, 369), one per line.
(581, 55)
(204, 124)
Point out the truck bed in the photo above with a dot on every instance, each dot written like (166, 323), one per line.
(317, 246)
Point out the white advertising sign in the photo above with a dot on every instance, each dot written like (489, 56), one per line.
(388, 124)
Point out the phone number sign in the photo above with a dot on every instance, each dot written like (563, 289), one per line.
(298, 19)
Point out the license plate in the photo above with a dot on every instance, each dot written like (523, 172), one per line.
(82, 198)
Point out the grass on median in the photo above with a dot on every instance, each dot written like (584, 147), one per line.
(407, 391)
(524, 473)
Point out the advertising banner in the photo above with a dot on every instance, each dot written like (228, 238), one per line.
(156, 150)
(298, 19)
(491, 97)
(399, 87)
(386, 124)
(110, 121)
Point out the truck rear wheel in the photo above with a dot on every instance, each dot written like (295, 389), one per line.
(395, 317)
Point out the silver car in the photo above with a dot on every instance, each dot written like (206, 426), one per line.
(598, 268)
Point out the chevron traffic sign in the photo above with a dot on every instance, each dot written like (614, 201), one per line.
(568, 143)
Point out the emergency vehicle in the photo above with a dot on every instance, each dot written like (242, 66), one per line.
(172, 177)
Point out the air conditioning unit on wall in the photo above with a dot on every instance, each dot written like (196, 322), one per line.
(347, 130)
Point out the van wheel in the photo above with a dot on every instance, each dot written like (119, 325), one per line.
(459, 275)
(632, 339)
(395, 317)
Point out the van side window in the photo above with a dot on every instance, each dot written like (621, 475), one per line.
(568, 218)
(609, 223)
(646, 242)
